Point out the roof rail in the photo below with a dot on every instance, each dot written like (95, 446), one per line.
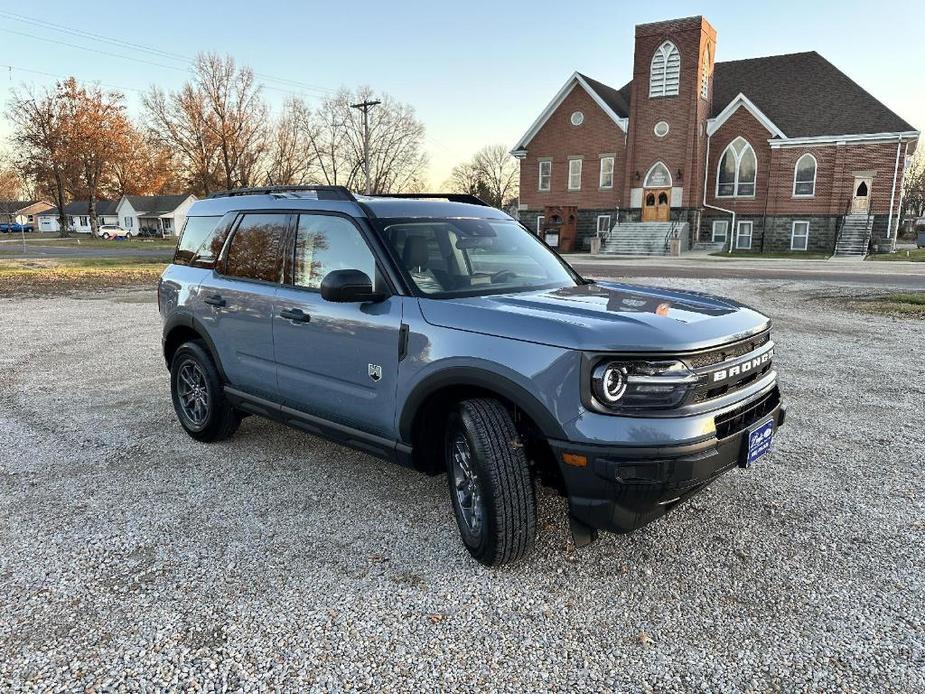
(324, 192)
(451, 197)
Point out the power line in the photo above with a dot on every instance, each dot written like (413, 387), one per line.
(156, 52)
(62, 77)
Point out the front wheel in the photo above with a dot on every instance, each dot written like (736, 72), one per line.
(489, 481)
(106, 235)
(198, 397)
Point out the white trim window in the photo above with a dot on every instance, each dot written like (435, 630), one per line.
(128, 222)
(545, 182)
(804, 176)
(606, 179)
(574, 174)
(799, 236)
(539, 224)
(744, 235)
(603, 224)
(665, 71)
(720, 230)
(737, 170)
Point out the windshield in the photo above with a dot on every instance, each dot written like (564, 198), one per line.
(469, 257)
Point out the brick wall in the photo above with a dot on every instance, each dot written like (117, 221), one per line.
(559, 140)
(682, 149)
(741, 124)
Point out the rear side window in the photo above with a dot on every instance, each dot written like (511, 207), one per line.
(196, 232)
(254, 251)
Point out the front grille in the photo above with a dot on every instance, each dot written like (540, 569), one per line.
(717, 355)
(710, 362)
(740, 418)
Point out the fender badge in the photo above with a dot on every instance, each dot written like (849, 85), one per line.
(374, 371)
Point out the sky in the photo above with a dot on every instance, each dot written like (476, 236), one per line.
(477, 73)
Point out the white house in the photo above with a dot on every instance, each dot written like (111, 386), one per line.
(78, 216)
(163, 213)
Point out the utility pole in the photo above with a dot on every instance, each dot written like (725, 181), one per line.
(364, 107)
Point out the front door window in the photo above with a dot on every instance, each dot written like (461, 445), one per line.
(860, 202)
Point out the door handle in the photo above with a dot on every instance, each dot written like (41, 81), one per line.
(296, 315)
(215, 300)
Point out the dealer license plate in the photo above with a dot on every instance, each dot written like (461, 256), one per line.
(759, 442)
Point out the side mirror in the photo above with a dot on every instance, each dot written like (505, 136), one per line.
(349, 286)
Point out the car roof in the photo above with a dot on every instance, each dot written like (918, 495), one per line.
(362, 206)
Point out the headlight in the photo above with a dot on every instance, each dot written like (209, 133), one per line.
(627, 385)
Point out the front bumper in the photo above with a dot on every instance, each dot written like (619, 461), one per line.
(620, 489)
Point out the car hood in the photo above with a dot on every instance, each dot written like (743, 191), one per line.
(602, 316)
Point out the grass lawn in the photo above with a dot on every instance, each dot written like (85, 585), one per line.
(916, 255)
(64, 274)
(755, 255)
(910, 304)
(84, 240)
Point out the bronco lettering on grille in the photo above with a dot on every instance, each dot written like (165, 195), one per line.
(743, 368)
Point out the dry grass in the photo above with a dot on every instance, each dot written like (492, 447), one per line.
(29, 276)
(911, 305)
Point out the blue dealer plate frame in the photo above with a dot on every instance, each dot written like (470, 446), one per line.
(760, 438)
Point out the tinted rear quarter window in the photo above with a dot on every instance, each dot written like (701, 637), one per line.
(255, 248)
(195, 241)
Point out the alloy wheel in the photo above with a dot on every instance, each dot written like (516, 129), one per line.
(466, 484)
(193, 393)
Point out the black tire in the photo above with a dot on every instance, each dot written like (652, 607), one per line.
(506, 525)
(218, 420)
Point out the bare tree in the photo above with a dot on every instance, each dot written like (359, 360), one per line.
(290, 160)
(500, 173)
(181, 121)
(914, 187)
(41, 145)
(492, 174)
(239, 116)
(396, 143)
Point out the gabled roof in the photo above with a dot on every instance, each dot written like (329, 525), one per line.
(611, 101)
(804, 95)
(798, 95)
(156, 204)
(81, 207)
(13, 206)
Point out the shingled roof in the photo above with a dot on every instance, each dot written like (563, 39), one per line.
(803, 94)
(82, 207)
(617, 99)
(155, 204)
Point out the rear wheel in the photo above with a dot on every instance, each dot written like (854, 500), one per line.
(198, 398)
(489, 481)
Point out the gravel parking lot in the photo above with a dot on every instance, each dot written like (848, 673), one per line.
(133, 558)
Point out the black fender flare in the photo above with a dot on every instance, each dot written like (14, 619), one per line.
(187, 320)
(480, 378)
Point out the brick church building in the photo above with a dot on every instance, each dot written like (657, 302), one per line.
(770, 154)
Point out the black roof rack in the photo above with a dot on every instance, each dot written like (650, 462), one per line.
(324, 192)
(451, 197)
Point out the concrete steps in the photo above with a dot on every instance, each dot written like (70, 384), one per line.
(640, 238)
(854, 236)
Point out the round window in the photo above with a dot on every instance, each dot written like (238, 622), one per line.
(578, 118)
(661, 128)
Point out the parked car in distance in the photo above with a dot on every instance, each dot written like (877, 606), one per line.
(113, 231)
(16, 228)
(439, 333)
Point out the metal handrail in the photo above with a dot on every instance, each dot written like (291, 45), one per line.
(672, 230)
(841, 226)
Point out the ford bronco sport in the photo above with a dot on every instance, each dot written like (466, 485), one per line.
(437, 332)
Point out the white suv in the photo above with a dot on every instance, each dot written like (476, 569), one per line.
(113, 231)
